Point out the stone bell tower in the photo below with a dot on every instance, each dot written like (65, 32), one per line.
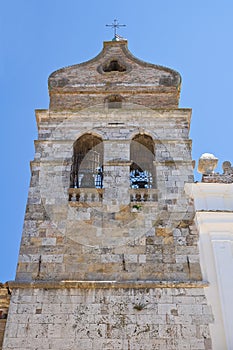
(109, 256)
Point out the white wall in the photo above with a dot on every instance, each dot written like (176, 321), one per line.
(214, 219)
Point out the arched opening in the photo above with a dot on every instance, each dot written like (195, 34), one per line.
(114, 66)
(87, 165)
(142, 153)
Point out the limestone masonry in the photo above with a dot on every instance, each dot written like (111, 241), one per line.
(109, 256)
(4, 305)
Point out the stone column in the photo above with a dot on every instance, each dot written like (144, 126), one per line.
(116, 180)
(116, 183)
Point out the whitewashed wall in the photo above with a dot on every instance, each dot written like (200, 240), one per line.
(214, 219)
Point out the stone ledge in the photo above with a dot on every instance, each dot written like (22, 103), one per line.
(106, 284)
(43, 116)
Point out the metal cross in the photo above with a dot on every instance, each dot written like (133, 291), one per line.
(115, 25)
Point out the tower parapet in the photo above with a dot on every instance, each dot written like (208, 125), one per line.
(206, 166)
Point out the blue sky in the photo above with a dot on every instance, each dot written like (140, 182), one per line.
(38, 37)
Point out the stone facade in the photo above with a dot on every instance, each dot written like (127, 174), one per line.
(109, 318)
(91, 83)
(107, 240)
(114, 266)
(4, 305)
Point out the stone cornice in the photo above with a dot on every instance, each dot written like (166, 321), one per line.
(105, 284)
(211, 196)
(45, 115)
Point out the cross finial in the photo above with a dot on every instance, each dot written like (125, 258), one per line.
(115, 25)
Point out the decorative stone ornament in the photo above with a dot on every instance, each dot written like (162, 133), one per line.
(207, 163)
(227, 168)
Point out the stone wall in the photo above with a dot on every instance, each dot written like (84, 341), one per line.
(88, 83)
(151, 253)
(108, 239)
(4, 305)
(109, 318)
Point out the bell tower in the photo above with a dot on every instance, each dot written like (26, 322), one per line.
(109, 256)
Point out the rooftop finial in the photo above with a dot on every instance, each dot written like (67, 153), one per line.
(115, 25)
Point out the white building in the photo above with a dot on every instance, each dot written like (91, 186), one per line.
(213, 200)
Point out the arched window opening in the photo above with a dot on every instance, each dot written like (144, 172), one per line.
(142, 173)
(114, 66)
(87, 165)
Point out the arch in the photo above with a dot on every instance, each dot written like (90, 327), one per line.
(114, 66)
(142, 155)
(142, 131)
(87, 162)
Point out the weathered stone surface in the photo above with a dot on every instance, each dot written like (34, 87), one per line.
(4, 305)
(161, 318)
(207, 163)
(114, 267)
(226, 177)
(58, 231)
(139, 83)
